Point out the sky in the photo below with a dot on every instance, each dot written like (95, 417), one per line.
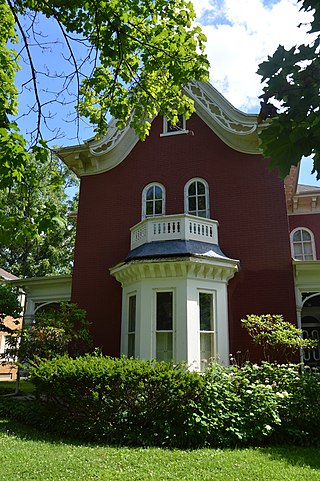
(240, 35)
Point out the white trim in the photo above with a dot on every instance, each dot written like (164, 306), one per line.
(185, 278)
(313, 246)
(144, 200)
(207, 197)
(236, 129)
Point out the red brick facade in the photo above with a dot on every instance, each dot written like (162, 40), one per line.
(246, 199)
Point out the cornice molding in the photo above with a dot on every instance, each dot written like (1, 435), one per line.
(186, 268)
(236, 129)
(307, 275)
(50, 288)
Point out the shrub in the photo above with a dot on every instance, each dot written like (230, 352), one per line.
(123, 401)
(276, 335)
(133, 402)
(236, 406)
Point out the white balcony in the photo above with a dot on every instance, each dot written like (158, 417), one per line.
(174, 227)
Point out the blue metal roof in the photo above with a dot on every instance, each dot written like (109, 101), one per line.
(176, 248)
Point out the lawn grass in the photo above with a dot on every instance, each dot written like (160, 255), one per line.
(28, 455)
(7, 387)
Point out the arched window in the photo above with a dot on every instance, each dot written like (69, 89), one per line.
(196, 198)
(153, 200)
(302, 244)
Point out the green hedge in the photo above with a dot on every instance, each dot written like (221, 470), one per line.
(132, 402)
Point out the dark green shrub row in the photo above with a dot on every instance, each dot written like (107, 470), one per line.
(122, 401)
(132, 402)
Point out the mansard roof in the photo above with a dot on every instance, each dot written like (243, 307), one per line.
(237, 129)
(174, 248)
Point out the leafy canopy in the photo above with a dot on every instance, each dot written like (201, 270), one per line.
(57, 330)
(128, 58)
(9, 305)
(37, 232)
(293, 79)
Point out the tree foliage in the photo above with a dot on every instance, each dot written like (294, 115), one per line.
(56, 331)
(273, 333)
(127, 58)
(37, 232)
(293, 79)
(9, 305)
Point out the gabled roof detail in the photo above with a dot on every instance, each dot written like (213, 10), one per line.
(237, 129)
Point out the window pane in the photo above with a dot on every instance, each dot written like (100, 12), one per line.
(177, 126)
(201, 203)
(150, 193)
(206, 311)
(149, 207)
(192, 204)
(164, 311)
(297, 236)
(158, 207)
(206, 350)
(202, 213)
(164, 343)
(201, 188)
(297, 249)
(131, 345)
(307, 247)
(132, 314)
(158, 192)
(306, 235)
(192, 189)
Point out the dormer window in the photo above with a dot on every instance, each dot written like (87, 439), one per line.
(302, 244)
(153, 200)
(196, 198)
(178, 128)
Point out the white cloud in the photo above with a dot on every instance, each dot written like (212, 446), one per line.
(241, 34)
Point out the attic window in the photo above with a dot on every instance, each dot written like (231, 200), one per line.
(169, 129)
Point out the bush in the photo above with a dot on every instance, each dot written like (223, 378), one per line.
(133, 402)
(123, 401)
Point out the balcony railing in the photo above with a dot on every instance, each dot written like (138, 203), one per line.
(174, 227)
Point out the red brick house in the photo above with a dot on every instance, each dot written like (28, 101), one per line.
(303, 206)
(180, 236)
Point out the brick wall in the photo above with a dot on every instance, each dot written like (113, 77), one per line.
(245, 198)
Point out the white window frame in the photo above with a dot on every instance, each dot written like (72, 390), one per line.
(131, 333)
(166, 132)
(186, 195)
(144, 200)
(172, 331)
(212, 332)
(292, 243)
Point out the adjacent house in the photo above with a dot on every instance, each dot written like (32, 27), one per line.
(181, 236)
(8, 370)
(303, 205)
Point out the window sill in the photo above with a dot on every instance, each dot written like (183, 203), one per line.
(176, 132)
